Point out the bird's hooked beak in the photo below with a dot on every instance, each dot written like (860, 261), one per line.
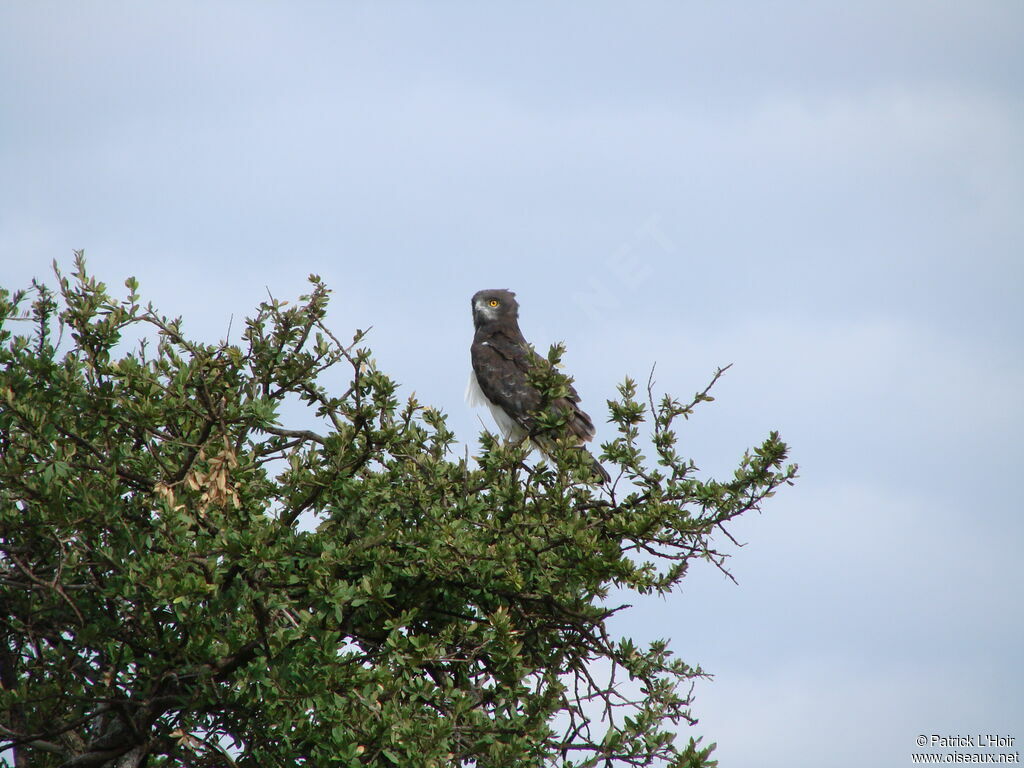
(482, 312)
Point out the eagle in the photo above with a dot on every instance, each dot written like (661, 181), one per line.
(501, 359)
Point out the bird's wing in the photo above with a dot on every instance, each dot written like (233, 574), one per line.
(501, 364)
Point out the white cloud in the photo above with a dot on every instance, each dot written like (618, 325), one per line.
(823, 711)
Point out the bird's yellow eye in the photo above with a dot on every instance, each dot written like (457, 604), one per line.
(493, 302)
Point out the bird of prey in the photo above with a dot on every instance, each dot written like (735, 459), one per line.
(501, 360)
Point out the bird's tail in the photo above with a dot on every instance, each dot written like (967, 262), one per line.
(547, 447)
(599, 470)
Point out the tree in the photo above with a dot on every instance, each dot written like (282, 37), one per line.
(188, 582)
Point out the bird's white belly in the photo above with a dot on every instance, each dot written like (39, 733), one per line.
(508, 426)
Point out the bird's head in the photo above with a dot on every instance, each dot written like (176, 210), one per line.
(494, 305)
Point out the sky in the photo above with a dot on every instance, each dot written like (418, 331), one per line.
(830, 197)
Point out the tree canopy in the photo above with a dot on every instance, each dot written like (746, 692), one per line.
(221, 554)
